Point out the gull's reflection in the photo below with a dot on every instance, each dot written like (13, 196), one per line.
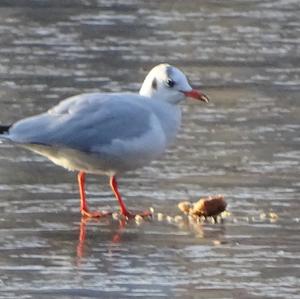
(83, 229)
(116, 228)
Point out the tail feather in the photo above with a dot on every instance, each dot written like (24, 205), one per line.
(4, 128)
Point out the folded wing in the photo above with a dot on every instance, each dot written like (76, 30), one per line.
(86, 122)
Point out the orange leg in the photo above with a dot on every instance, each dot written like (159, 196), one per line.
(114, 186)
(83, 204)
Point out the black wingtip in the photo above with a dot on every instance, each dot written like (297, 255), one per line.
(4, 128)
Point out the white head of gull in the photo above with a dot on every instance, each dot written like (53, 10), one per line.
(108, 133)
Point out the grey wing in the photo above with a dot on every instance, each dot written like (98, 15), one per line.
(85, 122)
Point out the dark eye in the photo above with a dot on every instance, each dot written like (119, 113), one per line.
(170, 82)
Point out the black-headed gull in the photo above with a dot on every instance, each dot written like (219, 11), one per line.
(108, 133)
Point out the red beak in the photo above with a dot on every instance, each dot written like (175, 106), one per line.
(196, 94)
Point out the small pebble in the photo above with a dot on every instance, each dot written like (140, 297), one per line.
(216, 242)
(262, 215)
(160, 216)
(169, 219)
(138, 219)
(178, 218)
(225, 214)
(219, 242)
(115, 216)
(273, 216)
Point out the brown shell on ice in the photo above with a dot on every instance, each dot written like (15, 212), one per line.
(209, 207)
